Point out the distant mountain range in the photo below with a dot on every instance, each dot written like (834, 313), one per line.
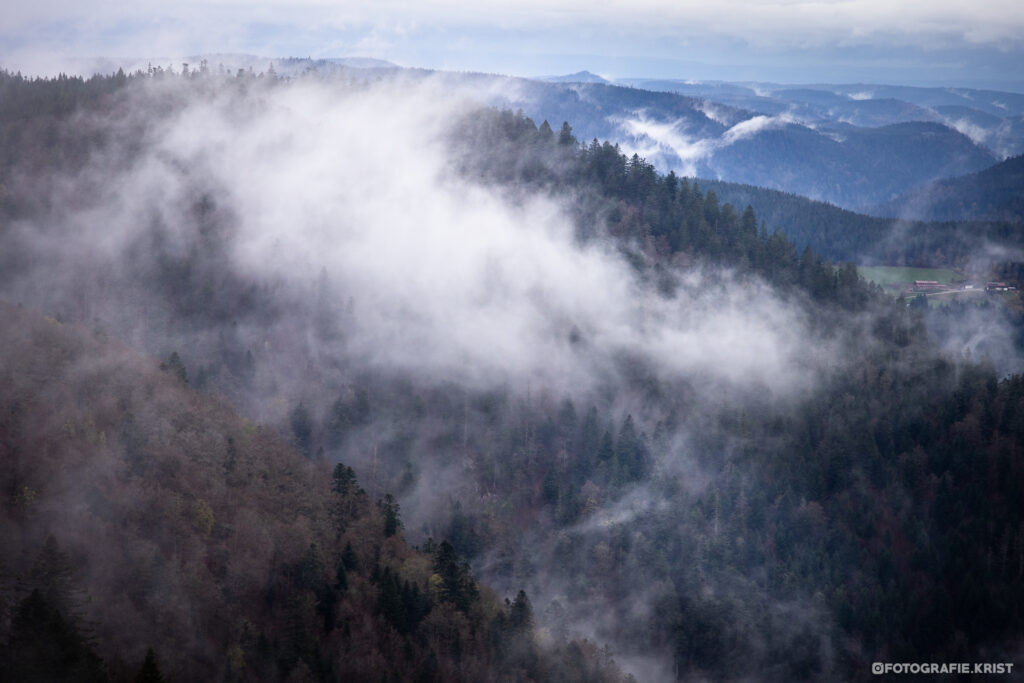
(990, 118)
(766, 96)
(832, 161)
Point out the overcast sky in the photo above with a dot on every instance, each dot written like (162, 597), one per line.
(943, 42)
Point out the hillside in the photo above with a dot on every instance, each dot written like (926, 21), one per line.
(994, 194)
(151, 515)
(843, 235)
(846, 165)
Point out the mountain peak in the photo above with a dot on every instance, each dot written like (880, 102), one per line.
(578, 77)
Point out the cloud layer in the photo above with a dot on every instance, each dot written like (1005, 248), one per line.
(516, 37)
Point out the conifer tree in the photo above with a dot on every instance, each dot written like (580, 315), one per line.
(150, 671)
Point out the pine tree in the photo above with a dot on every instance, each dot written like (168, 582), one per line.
(175, 366)
(52, 575)
(150, 671)
(344, 479)
(565, 136)
(545, 133)
(631, 452)
(349, 558)
(392, 522)
(46, 646)
(457, 584)
(521, 613)
(389, 601)
(340, 577)
(302, 428)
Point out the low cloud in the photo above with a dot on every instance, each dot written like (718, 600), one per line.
(753, 126)
(666, 142)
(714, 112)
(977, 134)
(669, 145)
(351, 190)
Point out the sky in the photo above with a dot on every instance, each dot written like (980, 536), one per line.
(915, 42)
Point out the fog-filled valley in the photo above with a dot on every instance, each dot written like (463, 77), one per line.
(365, 373)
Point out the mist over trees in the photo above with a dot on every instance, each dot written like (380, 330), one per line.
(328, 379)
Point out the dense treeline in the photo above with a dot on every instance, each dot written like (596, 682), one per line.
(730, 532)
(33, 121)
(32, 98)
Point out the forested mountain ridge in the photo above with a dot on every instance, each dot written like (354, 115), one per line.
(846, 165)
(841, 235)
(723, 456)
(994, 194)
